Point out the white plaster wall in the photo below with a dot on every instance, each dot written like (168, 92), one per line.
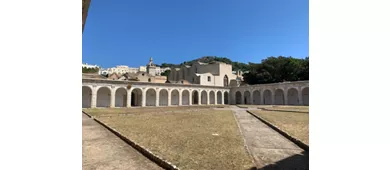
(175, 97)
(256, 97)
(225, 69)
(120, 97)
(163, 98)
(204, 80)
(103, 97)
(185, 97)
(292, 95)
(87, 97)
(151, 97)
(204, 97)
(279, 97)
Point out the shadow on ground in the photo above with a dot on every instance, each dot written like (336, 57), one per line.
(295, 162)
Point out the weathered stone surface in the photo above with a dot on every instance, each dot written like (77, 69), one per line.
(103, 150)
(269, 149)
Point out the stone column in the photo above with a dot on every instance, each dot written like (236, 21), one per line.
(180, 97)
(285, 93)
(93, 97)
(157, 97)
(300, 98)
(261, 97)
(251, 97)
(190, 98)
(273, 97)
(169, 97)
(128, 103)
(243, 98)
(215, 97)
(199, 98)
(143, 98)
(208, 98)
(112, 100)
(223, 98)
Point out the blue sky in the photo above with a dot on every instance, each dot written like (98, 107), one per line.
(128, 32)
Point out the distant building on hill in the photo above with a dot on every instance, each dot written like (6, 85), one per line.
(210, 74)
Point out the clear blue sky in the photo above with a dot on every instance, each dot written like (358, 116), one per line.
(128, 32)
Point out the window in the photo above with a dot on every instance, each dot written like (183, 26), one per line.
(143, 74)
(208, 78)
(149, 80)
(182, 82)
(196, 69)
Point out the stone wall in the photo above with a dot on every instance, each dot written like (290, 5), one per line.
(111, 93)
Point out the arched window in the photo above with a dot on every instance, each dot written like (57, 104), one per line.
(208, 78)
(149, 80)
(226, 81)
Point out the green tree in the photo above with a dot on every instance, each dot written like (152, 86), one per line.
(278, 69)
(90, 70)
(166, 73)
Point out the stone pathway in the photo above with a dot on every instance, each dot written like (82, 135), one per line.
(269, 149)
(103, 150)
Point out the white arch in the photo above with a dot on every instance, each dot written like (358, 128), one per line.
(219, 97)
(256, 97)
(267, 97)
(163, 97)
(86, 96)
(151, 97)
(292, 96)
(238, 96)
(120, 97)
(247, 97)
(103, 96)
(226, 97)
(305, 96)
(195, 96)
(185, 97)
(203, 97)
(212, 97)
(136, 97)
(175, 97)
(279, 97)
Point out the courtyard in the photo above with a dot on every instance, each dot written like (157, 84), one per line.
(200, 137)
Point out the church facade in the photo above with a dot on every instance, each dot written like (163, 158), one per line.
(208, 74)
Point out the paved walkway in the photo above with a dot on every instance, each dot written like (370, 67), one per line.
(103, 150)
(269, 149)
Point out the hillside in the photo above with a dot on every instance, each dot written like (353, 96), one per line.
(209, 59)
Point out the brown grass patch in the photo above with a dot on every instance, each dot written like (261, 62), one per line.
(189, 138)
(295, 124)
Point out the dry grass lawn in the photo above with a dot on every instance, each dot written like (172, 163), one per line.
(99, 112)
(295, 124)
(287, 108)
(190, 138)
